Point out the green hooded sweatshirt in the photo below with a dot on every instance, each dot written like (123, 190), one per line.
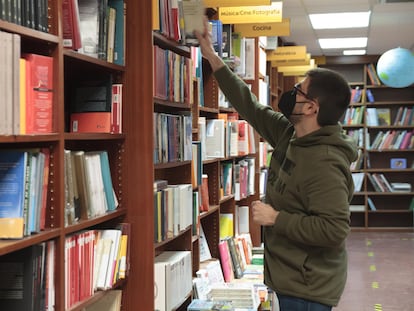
(310, 184)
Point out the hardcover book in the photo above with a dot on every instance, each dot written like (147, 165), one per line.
(39, 92)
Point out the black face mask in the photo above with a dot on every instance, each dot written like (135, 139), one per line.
(287, 102)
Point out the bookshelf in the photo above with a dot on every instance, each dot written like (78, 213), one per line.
(179, 172)
(131, 167)
(380, 210)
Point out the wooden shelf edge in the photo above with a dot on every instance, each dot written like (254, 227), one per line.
(83, 224)
(9, 246)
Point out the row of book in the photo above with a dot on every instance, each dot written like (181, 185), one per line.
(27, 88)
(89, 191)
(24, 179)
(393, 140)
(225, 137)
(95, 28)
(381, 184)
(172, 137)
(28, 13)
(404, 116)
(173, 76)
(237, 178)
(176, 207)
(28, 278)
(95, 260)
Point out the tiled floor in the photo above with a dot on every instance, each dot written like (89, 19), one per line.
(381, 272)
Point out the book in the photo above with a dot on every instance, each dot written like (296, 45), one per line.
(204, 194)
(92, 14)
(235, 257)
(192, 14)
(384, 116)
(90, 122)
(39, 93)
(225, 260)
(70, 25)
(206, 305)
(119, 42)
(173, 279)
(13, 166)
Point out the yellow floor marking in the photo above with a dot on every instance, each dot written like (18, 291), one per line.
(369, 243)
(378, 307)
(370, 254)
(372, 268)
(375, 285)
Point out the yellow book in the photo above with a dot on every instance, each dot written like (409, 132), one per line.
(226, 225)
(22, 96)
(123, 257)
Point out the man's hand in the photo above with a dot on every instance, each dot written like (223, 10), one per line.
(264, 214)
(207, 49)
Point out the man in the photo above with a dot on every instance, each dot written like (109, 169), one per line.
(306, 214)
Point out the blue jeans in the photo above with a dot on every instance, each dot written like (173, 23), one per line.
(288, 303)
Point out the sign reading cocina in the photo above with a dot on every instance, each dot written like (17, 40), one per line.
(251, 14)
(264, 29)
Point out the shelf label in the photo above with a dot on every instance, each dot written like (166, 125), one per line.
(292, 62)
(297, 52)
(251, 14)
(225, 3)
(264, 29)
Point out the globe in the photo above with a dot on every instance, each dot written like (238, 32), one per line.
(395, 67)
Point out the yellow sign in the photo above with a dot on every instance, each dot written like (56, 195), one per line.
(251, 14)
(296, 70)
(264, 29)
(292, 62)
(224, 3)
(287, 52)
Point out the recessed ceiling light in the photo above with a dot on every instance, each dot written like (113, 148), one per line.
(343, 43)
(340, 20)
(354, 52)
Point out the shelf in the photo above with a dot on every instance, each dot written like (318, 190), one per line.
(9, 246)
(83, 224)
(31, 34)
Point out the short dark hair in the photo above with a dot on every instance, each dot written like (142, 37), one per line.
(333, 93)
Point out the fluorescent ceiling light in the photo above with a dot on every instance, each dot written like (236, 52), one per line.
(340, 20)
(343, 43)
(355, 52)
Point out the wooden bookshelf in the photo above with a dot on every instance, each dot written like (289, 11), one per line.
(392, 208)
(130, 153)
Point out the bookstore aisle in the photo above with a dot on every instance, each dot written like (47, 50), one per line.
(380, 274)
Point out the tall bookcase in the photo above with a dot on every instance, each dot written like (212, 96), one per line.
(177, 172)
(392, 209)
(130, 153)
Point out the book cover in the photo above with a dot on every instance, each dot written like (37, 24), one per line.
(12, 181)
(191, 19)
(70, 24)
(90, 122)
(39, 92)
(119, 43)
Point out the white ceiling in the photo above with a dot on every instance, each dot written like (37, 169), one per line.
(391, 24)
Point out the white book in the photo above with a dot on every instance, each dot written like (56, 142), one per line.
(250, 59)
(215, 133)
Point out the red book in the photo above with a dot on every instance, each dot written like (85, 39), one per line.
(204, 194)
(116, 109)
(225, 259)
(39, 92)
(90, 122)
(70, 24)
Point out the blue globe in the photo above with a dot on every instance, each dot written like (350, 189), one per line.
(395, 68)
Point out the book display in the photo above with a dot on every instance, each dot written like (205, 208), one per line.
(73, 208)
(380, 119)
(228, 177)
